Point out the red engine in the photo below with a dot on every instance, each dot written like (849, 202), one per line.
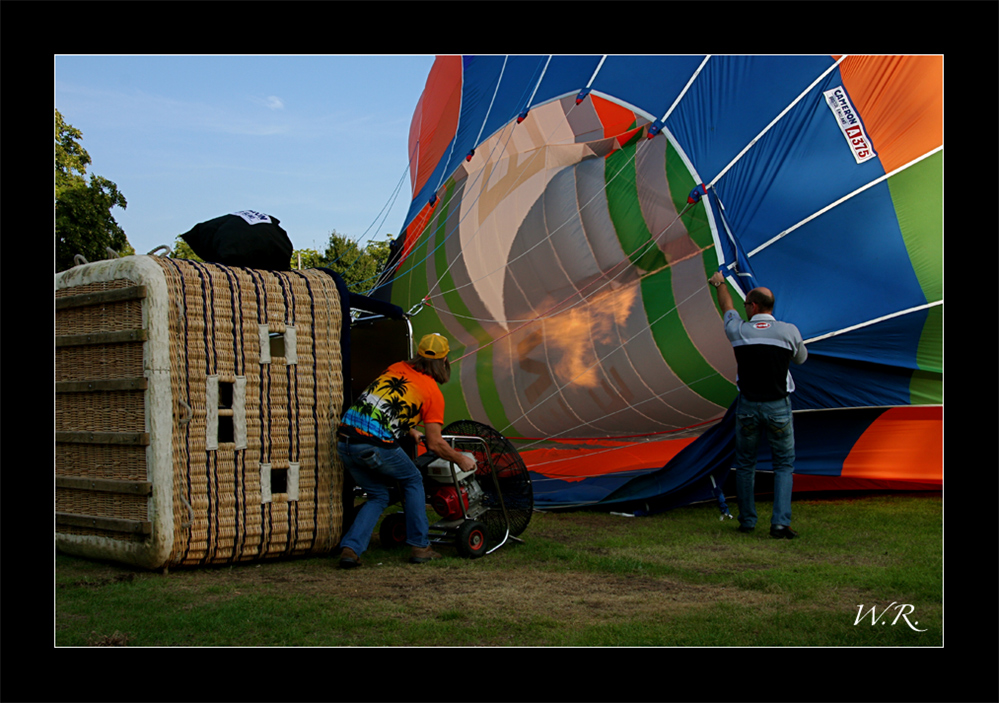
(445, 502)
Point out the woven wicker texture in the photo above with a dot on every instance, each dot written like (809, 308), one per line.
(219, 514)
(102, 411)
(285, 411)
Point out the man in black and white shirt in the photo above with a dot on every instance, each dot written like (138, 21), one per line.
(764, 349)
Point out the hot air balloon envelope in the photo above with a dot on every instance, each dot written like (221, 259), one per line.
(567, 212)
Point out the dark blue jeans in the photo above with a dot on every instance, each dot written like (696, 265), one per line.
(375, 469)
(753, 420)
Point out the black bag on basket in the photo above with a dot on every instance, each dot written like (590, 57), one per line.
(246, 238)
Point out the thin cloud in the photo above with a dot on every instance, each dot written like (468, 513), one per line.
(272, 101)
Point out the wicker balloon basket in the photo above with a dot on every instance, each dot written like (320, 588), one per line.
(195, 409)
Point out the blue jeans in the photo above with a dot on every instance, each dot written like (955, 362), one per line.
(376, 469)
(752, 421)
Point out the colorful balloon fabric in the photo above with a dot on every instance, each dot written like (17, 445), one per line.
(567, 212)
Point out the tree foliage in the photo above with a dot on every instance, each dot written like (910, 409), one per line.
(183, 250)
(84, 223)
(358, 267)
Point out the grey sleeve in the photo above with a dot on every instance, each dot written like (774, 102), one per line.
(800, 353)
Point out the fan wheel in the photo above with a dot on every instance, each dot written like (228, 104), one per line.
(506, 469)
(392, 531)
(470, 539)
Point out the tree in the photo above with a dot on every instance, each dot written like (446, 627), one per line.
(183, 250)
(84, 223)
(358, 267)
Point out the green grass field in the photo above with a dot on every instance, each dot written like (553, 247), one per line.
(866, 571)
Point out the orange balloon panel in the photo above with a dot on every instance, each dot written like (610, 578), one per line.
(903, 444)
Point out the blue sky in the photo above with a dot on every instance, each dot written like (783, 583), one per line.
(320, 142)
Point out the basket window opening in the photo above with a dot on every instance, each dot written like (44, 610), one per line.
(277, 344)
(226, 416)
(226, 428)
(225, 395)
(279, 481)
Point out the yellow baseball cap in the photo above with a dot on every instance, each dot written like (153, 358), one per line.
(434, 346)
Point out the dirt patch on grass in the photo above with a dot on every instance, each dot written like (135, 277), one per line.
(522, 599)
(461, 589)
(115, 639)
(99, 582)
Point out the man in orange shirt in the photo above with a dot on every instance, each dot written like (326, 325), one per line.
(404, 396)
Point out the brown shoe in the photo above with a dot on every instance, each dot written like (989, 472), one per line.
(420, 556)
(349, 559)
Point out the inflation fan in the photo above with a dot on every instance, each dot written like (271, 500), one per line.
(479, 510)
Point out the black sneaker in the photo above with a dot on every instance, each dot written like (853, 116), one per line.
(782, 532)
(743, 528)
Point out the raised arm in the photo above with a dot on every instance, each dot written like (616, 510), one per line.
(724, 296)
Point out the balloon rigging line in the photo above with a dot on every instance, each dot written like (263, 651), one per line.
(385, 209)
(538, 84)
(405, 254)
(534, 155)
(585, 205)
(607, 281)
(617, 438)
(596, 70)
(552, 233)
(875, 321)
(626, 445)
(599, 360)
(776, 120)
(544, 239)
(453, 142)
(545, 315)
(676, 102)
(645, 246)
(683, 92)
(536, 152)
(624, 263)
(383, 213)
(413, 246)
(846, 197)
(657, 396)
(492, 100)
(639, 251)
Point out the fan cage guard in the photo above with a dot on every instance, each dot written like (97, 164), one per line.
(510, 473)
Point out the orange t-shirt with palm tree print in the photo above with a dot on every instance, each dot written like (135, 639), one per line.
(395, 402)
